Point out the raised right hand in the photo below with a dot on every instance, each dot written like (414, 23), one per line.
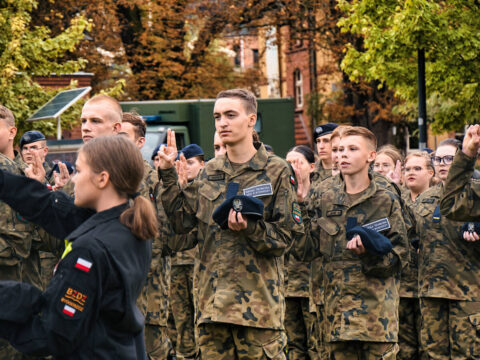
(471, 141)
(168, 154)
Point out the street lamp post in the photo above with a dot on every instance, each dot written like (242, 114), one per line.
(422, 101)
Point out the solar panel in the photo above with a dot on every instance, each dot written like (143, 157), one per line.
(59, 104)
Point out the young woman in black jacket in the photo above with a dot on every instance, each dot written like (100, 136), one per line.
(88, 310)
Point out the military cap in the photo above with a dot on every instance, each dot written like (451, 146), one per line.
(472, 227)
(31, 137)
(191, 150)
(156, 150)
(69, 166)
(324, 129)
(372, 240)
(246, 205)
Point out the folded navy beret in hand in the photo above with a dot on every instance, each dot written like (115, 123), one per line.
(473, 227)
(372, 240)
(246, 205)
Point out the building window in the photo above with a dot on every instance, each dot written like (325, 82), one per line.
(237, 60)
(255, 56)
(298, 83)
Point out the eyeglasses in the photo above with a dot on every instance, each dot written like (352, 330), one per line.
(447, 160)
(32, 148)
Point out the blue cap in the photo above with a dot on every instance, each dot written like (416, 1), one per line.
(372, 240)
(191, 150)
(69, 166)
(31, 137)
(324, 129)
(246, 205)
(156, 150)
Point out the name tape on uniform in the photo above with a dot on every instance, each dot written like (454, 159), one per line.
(258, 190)
(379, 225)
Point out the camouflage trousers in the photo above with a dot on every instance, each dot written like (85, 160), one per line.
(157, 343)
(234, 342)
(409, 329)
(183, 310)
(450, 329)
(319, 333)
(299, 324)
(361, 350)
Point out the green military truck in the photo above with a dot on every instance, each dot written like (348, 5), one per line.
(192, 121)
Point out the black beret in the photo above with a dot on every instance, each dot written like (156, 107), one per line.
(31, 137)
(324, 129)
(69, 166)
(191, 150)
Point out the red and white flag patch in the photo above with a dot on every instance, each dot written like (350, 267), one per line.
(68, 310)
(83, 265)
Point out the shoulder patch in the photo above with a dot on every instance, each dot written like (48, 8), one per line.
(292, 180)
(83, 265)
(72, 301)
(296, 213)
(216, 177)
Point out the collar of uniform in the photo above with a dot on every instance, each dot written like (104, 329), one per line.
(96, 219)
(19, 161)
(341, 195)
(257, 162)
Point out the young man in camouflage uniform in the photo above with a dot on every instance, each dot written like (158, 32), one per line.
(321, 138)
(360, 288)
(449, 273)
(240, 279)
(153, 301)
(461, 199)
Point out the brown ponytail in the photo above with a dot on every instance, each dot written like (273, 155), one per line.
(122, 160)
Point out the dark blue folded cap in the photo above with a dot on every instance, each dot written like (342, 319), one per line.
(31, 137)
(473, 227)
(324, 129)
(191, 150)
(372, 240)
(156, 150)
(69, 166)
(246, 205)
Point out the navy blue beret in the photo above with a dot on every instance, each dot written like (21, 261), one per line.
(31, 137)
(246, 205)
(69, 166)
(473, 227)
(324, 129)
(372, 240)
(191, 150)
(156, 150)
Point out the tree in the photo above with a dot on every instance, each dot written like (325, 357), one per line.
(392, 31)
(27, 50)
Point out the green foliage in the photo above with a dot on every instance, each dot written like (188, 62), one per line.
(393, 31)
(27, 51)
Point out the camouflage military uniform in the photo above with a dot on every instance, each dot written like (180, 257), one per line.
(361, 292)
(153, 300)
(182, 303)
(461, 199)
(240, 278)
(409, 309)
(449, 284)
(15, 245)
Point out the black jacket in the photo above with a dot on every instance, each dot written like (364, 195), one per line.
(88, 310)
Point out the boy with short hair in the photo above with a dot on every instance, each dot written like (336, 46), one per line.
(361, 282)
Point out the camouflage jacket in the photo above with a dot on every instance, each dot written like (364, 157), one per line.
(240, 277)
(320, 173)
(15, 232)
(186, 257)
(409, 278)
(448, 266)
(461, 199)
(153, 300)
(361, 292)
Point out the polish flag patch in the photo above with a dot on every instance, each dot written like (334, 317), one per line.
(83, 265)
(68, 310)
